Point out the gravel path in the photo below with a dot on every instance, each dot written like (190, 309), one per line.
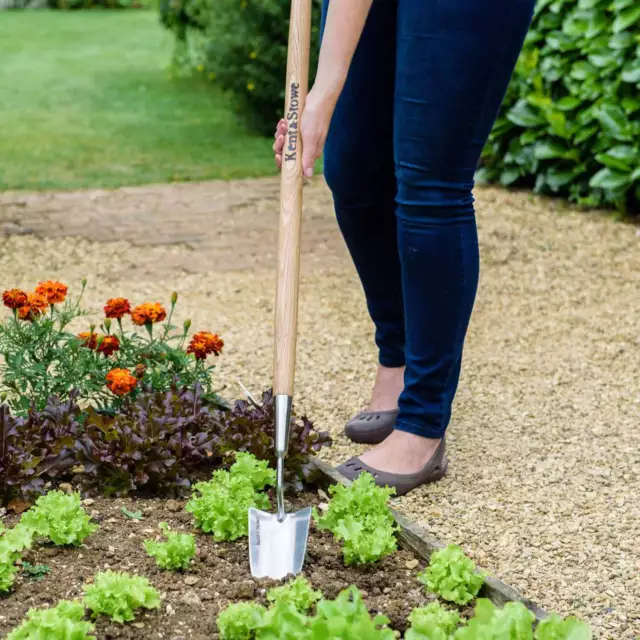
(544, 487)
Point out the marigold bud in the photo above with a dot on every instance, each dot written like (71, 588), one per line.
(174, 297)
(187, 324)
(84, 282)
(107, 324)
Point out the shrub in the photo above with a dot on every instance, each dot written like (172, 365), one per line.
(360, 516)
(242, 47)
(570, 123)
(176, 553)
(452, 575)
(62, 622)
(42, 359)
(60, 518)
(119, 595)
(222, 504)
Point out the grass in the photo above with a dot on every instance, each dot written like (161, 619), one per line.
(87, 101)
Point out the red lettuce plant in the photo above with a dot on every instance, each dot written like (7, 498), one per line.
(37, 448)
(158, 442)
(251, 427)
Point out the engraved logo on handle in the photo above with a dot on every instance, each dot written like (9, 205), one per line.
(293, 120)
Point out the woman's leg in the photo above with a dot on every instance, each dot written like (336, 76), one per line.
(454, 62)
(359, 170)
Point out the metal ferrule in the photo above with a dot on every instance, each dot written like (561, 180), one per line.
(283, 423)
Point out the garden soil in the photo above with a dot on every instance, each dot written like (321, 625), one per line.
(219, 575)
(544, 443)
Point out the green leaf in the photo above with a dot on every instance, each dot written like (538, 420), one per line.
(567, 103)
(134, 515)
(621, 40)
(547, 149)
(585, 133)
(608, 179)
(582, 70)
(631, 73)
(627, 18)
(613, 120)
(524, 116)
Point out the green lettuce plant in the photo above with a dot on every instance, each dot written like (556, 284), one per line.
(359, 515)
(555, 628)
(60, 518)
(347, 618)
(452, 575)
(119, 595)
(12, 543)
(512, 622)
(175, 553)
(432, 622)
(298, 593)
(239, 621)
(220, 505)
(62, 622)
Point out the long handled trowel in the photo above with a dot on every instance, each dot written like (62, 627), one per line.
(278, 542)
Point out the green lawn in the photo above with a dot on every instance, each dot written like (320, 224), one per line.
(86, 101)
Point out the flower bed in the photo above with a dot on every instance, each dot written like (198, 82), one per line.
(117, 552)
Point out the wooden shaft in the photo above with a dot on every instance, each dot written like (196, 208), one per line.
(291, 200)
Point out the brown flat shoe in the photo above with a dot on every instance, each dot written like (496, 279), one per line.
(371, 427)
(435, 469)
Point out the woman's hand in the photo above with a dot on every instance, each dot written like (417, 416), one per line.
(313, 129)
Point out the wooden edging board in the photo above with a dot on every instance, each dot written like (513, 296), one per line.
(413, 537)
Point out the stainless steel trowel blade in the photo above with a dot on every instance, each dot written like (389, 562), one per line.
(277, 548)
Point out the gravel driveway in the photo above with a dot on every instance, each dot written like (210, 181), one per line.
(544, 485)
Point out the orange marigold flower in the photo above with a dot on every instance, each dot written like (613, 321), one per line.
(120, 381)
(117, 308)
(36, 304)
(109, 345)
(204, 343)
(89, 339)
(54, 292)
(14, 298)
(148, 313)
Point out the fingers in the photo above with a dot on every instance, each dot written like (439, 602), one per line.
(278, 145)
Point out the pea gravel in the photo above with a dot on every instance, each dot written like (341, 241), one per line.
(544, 482)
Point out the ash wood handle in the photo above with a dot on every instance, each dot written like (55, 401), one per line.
(291, 200)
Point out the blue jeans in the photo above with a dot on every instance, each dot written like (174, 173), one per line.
(421, 96)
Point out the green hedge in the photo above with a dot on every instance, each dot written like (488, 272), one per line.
(241, 45)
(570, 124)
